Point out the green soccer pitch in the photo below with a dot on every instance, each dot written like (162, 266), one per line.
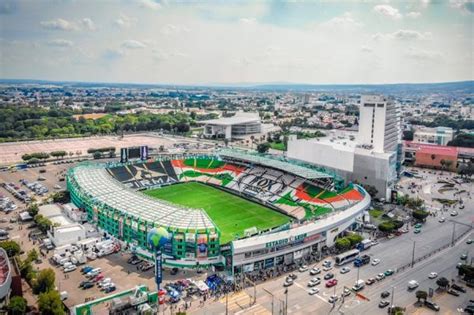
(231, 214)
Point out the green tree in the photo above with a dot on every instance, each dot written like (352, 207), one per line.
(58, 154)
(44, 224)
(421, 295)
(32, 209)
(386, 226)
(11, 247)
(263, 147)
(467, 271)
(17, 305)
(354, 238)
(49, 303)
(442, 282)
(420, 214)
(44, 282)
(343, 243)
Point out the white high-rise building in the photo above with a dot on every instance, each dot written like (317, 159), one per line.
(378, 124)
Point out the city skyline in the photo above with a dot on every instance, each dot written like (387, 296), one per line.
(348, 42)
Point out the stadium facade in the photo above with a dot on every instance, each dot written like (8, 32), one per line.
(318, 206)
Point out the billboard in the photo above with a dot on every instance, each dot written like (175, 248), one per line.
(158, 268)
(123, 155)
(201, 246)
(134, 153)
(144, 152)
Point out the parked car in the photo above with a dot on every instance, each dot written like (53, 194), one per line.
(346, 292)
(385, 294)
(292, 276)
(454, 213)
(331, 283)
(383, 304)
(370, 281)
(328, 276)
(375, 261)
(87, 285)
(432, 305)
(416, 231)
(313, 282)
(315, 271)
(110, 289)
(303, 268)
(313, 291)
(380, 277)
(345, 270)
(453, 292)
(327, 268)
(70, 268)
(389, 272)
(333, 299)
(458, 288)
(442, 219)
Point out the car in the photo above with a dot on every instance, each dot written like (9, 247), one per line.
(313, 291)
(303, 268)
(458, 288)
(87, 269)
(331, 283)
(346, 292)
(70, 268)
(432, 275)
(314, 281)
(328, 276)
(375, 262)
(110, 288)
(287, 283)
(315, 271)
(380, 277)
(327, 268)
(383, 303)
(463, 257)
(416, 231)
(469, 241)
(370, 281)
(454, 213)
(442, 219)
(432, 305)
(81, 284)
(134, 260)
(374, 242)
(87, 285)
(385, 294)
(389, 272)
(333, 299)
(418, 226)
(292, 276)
(403, 231)
(327, 263)
(345, 270)
(453, 292)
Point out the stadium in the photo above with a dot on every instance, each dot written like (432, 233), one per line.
(231, 209)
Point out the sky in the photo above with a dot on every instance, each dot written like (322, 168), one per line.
(232, 42)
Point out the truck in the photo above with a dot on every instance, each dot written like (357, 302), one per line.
(106, 250)
(364, 245)
(78, 258)
(359, 285)
(362, 260)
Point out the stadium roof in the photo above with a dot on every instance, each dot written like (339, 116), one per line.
(96, 182)
(299, 170)
(238, 118)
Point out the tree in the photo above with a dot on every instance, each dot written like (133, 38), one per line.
(263, 147)
(343, 243)
(44, 224)
(32, 209)
(44, 281)
(11, 247)
(442, 282)
(421, 295)
(386, 226)
(397, 310)
(58, 154)
(354, 238)
(49, 303)
(467, 271)
(408, 135)
(17, 306)
(420, 214)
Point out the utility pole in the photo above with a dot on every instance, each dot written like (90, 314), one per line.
(413, 255)
(271, 296)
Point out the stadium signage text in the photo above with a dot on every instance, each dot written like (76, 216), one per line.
(285, 241)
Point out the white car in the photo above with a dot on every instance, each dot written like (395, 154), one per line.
(442, 219)
(454, 213)
(327, 268)
(313, 282)
(375, 261)
(104, 282)
(315, 271)
(380, 276)
(374, 242)
(313, 291)
(346, 292)
(433, 275)
(345, 270)
(327, 263)
(303, 268)
(70, 268)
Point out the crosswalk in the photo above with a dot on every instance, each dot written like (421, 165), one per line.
(238, 303)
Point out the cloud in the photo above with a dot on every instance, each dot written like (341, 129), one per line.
(425, 3)
(88, 24)
(113, 54)
(169, 29)
(388, 11)
(466, 6)
(422, 55)
(58, 25)
(247, 20)
(345, 20)
(150, 4)
(133, 44)
(124, 21)
(403, 35)
(414, 15)
(366, 49)
(60, 43)
(162, 55)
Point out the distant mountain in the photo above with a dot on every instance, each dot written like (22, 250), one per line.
(445, 87)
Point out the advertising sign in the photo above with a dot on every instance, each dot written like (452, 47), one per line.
(123, 155)
(144, 152)
(158, 270)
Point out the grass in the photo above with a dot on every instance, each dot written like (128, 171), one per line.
(230, 213)
(278, 146)
(375, 213)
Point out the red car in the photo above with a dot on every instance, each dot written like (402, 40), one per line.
(331, 283)
(98, 278)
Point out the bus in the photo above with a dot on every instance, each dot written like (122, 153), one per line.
(346, 257)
